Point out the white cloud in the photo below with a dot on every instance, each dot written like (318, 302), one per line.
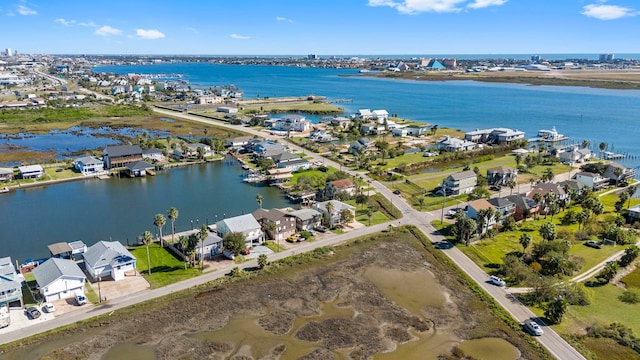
(23, 10)
(418, 6)
(240, 37)
(607, 12)
(151, 34)
(283, 19)
(479, 4)
(64, 22)
(108, 30)
(89, 24)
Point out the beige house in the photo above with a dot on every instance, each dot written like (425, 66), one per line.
(461, 182)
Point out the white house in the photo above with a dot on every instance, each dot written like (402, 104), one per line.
(380, 115)
(31, 171)
(365, 114)
(246, 224)
(108, 259)
(10, 284)
(89, 165)
(59, 279)
(153, 154)
(292, 123)
(335, 216)
(452, 144)
(239, 141)
(591, 180)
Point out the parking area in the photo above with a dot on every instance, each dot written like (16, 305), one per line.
(110, 289)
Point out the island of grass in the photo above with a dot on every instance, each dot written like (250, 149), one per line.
(389, 295)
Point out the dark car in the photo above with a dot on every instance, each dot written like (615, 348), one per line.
(496, 188)
(396, 191)
(593, 244)
(33, 312)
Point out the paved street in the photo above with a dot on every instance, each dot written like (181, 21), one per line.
(550, 340)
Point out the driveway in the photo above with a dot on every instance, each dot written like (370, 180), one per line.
(110, 289)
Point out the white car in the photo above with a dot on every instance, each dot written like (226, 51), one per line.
(532, 327)
(80, 299)
(496, 281)
(48, 308)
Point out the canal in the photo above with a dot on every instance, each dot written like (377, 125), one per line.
(121, 209)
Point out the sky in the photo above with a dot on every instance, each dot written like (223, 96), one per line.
(327, 27)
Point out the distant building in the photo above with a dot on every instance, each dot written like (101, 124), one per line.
(494, 136)
(89, 165)
(452, 144)
(606, 57)
(31, 171)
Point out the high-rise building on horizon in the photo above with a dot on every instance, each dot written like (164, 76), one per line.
(607, 57)
(9, 52)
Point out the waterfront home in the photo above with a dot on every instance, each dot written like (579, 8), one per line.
(461, 182)
(335, 217)
(89, 165)
(341, 122)
(415, 130)
(333, 188)
(574, 154)
(245, 224)
(307, 219)
(279, 175)
(10, 284)
(494, 136)
(61, 250)
(524, 207)
(108, 259)
(399, 132)
(591, 180)
(191, 149)
(504, 206)
(474, 209)
(277, 224)
(372, 129)
(287, 160)
(30, 171)
(452, 144)
(139, 168)
(364, 114)
(211, 246)
(267, 149)
(380, 115)
(59, 279)
(238, 141)
(121, 155)
(6, 174)
(153, 154)
(610, 172)
(292, 123)
(501, 175)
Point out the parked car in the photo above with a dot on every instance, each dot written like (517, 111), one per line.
(48, 308)
(228, 254)
(532, 327)
(33, 312)
(396, 191)
(321, 229)
(292, 238)
(80, 299)
(496, 188)
(594, 244)
(496, 281)
(429, 154)
(245, 251)
(452, 212)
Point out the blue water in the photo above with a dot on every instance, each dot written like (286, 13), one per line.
(596, 115)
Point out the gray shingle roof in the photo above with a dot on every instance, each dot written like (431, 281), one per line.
(8, 275)
(463, 175)
(140, 165)
(54, 268)
(122, 150)
(107, 253)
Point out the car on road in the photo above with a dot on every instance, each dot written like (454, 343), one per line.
(593, 244)
(33, 312)
(496, 281)
(81, 299)
(396, 191)
(48, 308)
(452, 212)
(532, 327)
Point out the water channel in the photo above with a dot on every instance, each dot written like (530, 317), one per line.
(121, 209)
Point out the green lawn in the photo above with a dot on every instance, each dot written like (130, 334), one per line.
(165, 267)
(632, 280)
(90, 294)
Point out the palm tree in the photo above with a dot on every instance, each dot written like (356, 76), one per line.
(511, 184)
(184, 244)
(631, 190)
(159, 221)
(147, 238)
(525, 241)
(585, 144)
(369, 214)
(602, 147)
(172, 214)
(259, 199)
(330, 208)
(617, 171)
(202, 235)
(262, 261)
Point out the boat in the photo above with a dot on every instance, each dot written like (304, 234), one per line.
(4, 190)
(364, 71)
(608, 155)
(551, 135)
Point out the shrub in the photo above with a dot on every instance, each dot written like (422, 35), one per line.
(629, 297)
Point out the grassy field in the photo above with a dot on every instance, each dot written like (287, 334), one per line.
(294, 106)
(632, 280)
(165, 267)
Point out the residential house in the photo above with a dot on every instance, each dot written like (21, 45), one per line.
(245, 224)
(332, 188)
(474, 209)
(452, 144)
(10, 284)
(461, 182)
(524, 207)
(59, 279)
(139, 168)
(504, 206)
(153, 154)
(359, 146)
(633, 214)
(121, 155)
(574, 155)
(494, 136)
(591, 180)
(415, 130)
(287, 160)
(545, 188)
(610, 172)
(335, 217)
(89, 166)
(501, 175)
(227, 109)
(292, 123)
(277, 224)
(372, 128)
(6, 174)
(191, 149)
(238, 141)
(399, 132)
(30, 171)
(266, 149)
(307, 219)
(109, 259)
(380, 115)
(210, 247)
(202, 100)
(279, 175)
(364, 114)
(341, 122)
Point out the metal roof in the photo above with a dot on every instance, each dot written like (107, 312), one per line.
(122, 150)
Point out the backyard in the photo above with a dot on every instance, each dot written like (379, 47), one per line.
(166, 268)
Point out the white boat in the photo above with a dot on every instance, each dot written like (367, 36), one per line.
(4, 190)
(364, 71)
(551, 135)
